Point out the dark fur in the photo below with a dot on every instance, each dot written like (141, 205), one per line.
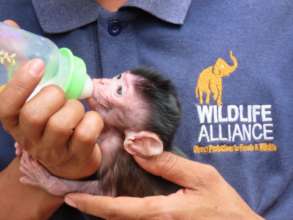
(130, 179)
(165, 110)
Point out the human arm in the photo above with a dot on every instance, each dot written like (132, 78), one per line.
(204, 195)
(22, 202)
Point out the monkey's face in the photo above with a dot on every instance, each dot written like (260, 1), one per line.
(116, 99)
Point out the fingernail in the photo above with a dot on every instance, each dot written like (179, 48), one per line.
(36, 67)
(11, 23)
(70, 202)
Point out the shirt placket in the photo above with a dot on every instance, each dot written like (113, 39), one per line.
(117, 43)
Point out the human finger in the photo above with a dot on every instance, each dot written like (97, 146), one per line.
(179, 170)
(18, 90)
(35, 113)
(85, 134)
(61, 126)
(25, 164)
(117, 208)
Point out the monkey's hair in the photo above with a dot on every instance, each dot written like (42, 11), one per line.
(165, 109)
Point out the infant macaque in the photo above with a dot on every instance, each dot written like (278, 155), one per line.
(141, 112)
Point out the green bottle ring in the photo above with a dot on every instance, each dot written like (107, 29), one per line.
(77, 74)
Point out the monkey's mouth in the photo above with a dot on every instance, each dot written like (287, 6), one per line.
(102, 108)
(105, 106)
(99, 104)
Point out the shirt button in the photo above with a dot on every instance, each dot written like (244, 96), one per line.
(114, 27)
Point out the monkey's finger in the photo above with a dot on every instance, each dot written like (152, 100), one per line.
(186, 173)
(27, 173)
(26, 166)
(23, 170)
(34, 172)
(27, 181)
(116, 208)
(24, 158)
(39, 171)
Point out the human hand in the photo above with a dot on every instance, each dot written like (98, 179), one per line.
(56, 132)
(204, 195)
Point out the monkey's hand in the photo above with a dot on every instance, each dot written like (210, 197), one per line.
(36, 175)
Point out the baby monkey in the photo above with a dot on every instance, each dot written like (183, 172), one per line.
(141, 112)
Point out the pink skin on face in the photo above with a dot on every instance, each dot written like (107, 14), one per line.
(116, 97)
(109, 93)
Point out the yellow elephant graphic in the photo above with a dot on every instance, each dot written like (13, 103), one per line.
(209, 81)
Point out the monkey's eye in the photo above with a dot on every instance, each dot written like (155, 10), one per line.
(119, 90)
(119, 76)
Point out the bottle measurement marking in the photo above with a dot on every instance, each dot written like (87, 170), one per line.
(9, 58)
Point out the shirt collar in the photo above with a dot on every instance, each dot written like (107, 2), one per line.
(58, 16)
(172, 11)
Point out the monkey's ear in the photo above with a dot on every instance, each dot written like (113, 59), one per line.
(143, 143)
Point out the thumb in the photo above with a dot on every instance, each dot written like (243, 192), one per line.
(183, 172)
(18, 89)
(108, 207)
(83, 202)
(11, 23)
(23, 82)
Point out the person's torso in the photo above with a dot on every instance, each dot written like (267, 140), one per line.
(236, 109)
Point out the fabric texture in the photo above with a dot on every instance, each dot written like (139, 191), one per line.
(231, 62)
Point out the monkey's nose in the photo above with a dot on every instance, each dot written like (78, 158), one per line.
(99, 82)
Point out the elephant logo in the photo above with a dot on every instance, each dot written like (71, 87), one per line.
(210, 83)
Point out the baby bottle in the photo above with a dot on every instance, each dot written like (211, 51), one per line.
(62, 67)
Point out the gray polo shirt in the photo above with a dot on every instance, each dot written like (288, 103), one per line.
(231, 62)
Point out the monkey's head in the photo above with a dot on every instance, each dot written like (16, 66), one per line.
(143, 105)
